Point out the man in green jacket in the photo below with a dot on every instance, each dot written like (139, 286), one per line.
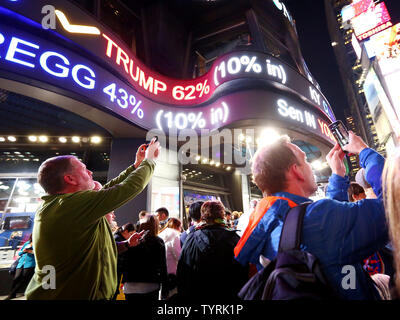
(76, 255)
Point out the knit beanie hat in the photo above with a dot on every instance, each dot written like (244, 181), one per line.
(360, 179)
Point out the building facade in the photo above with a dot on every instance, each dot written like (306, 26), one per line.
(354, 26)
(212, 80)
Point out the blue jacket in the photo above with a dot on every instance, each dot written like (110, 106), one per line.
(185, 234)
(337, 233)
(26, 260)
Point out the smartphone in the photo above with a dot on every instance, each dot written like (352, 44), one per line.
(340, 133)
(147, 145)
(144, 235)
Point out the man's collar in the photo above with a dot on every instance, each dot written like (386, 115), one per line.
(295, 198)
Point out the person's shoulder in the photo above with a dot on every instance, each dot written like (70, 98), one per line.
(322, 204)
(327, 205)
(158, 240)
(70, 198)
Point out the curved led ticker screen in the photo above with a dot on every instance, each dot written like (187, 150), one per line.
(240, 86)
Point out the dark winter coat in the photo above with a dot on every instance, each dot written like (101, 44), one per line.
(207, 269)
(145, 262)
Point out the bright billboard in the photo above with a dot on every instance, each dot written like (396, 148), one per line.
(372, 21)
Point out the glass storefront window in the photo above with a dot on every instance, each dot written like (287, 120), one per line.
(19, 199)
(24, 196)
(165, 193)
(6, 186)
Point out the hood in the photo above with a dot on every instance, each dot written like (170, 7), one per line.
(210, 238)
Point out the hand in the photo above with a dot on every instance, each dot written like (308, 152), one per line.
(134, 239)
(335, 160)
(153, 150)
(140, 154)
(97, 186)
(355, 145)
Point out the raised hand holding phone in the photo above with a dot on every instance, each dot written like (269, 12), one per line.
(134, 239)
(340, 133)
(153, 150)
(141, 153)
(356, 144)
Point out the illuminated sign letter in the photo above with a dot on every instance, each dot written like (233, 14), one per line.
(64, 70)
(110, 44)
(159, 86)
(290, 111)
(283, 110)
(310, 120)
(315, 96)
(147, 85)
(122, 56)
(13, 49)
(90, 81)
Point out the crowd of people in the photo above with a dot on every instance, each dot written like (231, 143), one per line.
(357, 224)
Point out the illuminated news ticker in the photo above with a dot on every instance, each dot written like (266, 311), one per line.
(229, 67)
(302, 116)
(124, 99)
(29, 54)
(38, 59)
(248, 64)
(44, 62)
(216, 115)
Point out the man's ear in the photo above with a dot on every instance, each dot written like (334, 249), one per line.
(297, 172)
(69, 179)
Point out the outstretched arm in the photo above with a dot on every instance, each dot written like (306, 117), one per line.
(140, 155)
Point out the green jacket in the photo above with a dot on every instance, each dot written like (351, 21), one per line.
(72, 234)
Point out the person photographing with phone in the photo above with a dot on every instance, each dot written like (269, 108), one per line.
(339, 234)
(71, 233)
(145, 267)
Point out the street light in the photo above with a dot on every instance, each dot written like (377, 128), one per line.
(43, 139)
(95, 139)
(267, 136)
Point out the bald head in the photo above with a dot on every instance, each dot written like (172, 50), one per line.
(51, 173)
(64, 174)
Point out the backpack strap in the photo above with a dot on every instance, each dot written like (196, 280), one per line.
(256, 216)
(292, 228)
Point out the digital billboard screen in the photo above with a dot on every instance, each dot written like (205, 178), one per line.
(372, 21)
(226, 94)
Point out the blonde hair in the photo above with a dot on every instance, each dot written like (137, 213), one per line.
(391, 196)
(172, 223)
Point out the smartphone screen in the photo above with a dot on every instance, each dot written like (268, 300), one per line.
(144, 235)
(340, 133)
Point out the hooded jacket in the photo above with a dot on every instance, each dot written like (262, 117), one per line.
(340, 234)
(207, 268)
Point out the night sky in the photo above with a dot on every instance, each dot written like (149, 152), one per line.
(317, 50)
